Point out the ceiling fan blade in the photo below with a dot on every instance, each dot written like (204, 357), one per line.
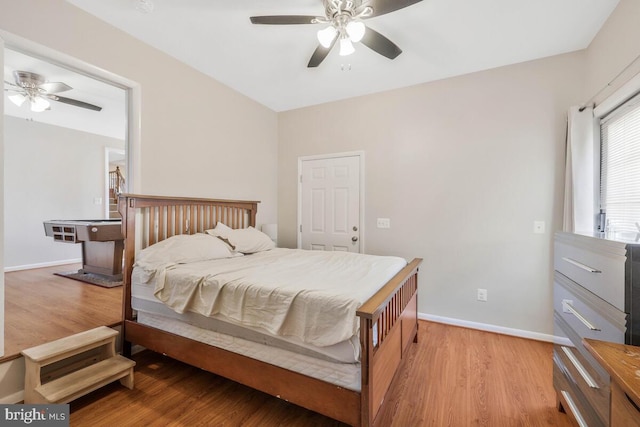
(381, 7)
(283, 19)
(55, 87)
(379, 43)
(73, 102)
(320, 53)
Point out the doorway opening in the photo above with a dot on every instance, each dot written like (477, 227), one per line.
(54, 168)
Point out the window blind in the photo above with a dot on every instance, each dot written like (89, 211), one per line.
(620, 166)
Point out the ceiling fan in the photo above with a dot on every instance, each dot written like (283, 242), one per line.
(345, 26)
(34, 88)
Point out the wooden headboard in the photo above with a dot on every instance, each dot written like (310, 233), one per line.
(162, 217)
(150, 219)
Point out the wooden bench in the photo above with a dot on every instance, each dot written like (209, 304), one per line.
(65, 369)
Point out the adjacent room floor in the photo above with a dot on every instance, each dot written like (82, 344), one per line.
(41, 307)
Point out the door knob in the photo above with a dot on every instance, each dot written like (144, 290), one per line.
(354, 239)
(355, 228)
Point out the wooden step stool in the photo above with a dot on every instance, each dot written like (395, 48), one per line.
(65, 369)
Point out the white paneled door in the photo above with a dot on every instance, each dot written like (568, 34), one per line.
(330, 204)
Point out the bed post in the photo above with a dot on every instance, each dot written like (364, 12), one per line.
(126, 208)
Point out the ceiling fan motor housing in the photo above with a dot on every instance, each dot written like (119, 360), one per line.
(28, 80)
(336, 7)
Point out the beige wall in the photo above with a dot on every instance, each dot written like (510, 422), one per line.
(613, 50)
(462, 167)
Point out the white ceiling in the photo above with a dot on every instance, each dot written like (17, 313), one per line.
(111, 121)
(439, 39)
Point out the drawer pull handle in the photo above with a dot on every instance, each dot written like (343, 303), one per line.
(580, 317)
(574, 409)
(581, 370)
(580, 265)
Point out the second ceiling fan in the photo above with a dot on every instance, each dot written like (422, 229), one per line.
(38, 91)
(345, 26)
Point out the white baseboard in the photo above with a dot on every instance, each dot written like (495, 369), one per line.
(14, 398)
(42, 265)
(491, 328)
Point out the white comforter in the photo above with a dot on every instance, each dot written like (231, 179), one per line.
(312, 295)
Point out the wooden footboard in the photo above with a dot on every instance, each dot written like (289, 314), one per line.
(388, 324)
(388, 320)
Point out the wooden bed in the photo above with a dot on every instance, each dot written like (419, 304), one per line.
(388, 320)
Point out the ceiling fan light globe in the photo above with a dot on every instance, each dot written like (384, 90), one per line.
(326, 36)
(355, 30)
(346, 47)
(38, 105)
(17, 99)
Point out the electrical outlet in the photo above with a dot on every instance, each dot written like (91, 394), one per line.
(566, 302)
(482, 295)
(384, 223)
(538, 227)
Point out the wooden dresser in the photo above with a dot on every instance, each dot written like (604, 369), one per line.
(596, 296)
(622, 362)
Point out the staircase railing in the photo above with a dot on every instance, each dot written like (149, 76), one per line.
(116, 182)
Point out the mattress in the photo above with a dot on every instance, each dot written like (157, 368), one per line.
(347, 351)
(345, 375)
(301, 301)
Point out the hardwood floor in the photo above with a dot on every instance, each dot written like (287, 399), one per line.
(41, 307)
(453, 377)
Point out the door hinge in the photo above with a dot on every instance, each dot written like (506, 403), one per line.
(301, 228)
(301, 179)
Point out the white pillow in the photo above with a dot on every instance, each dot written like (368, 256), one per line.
(184, 248)
(245, 240)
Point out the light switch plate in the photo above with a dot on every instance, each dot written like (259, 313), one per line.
(384, 223)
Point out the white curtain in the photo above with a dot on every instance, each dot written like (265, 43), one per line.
(580, 173)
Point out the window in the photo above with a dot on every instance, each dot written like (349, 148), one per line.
(620, 167)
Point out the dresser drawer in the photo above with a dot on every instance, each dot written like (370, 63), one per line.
(588, 315)
(585, 378)
(599, 270)
(567, 337)
(573, 401)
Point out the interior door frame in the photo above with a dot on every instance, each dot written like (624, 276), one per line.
(360, 156)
